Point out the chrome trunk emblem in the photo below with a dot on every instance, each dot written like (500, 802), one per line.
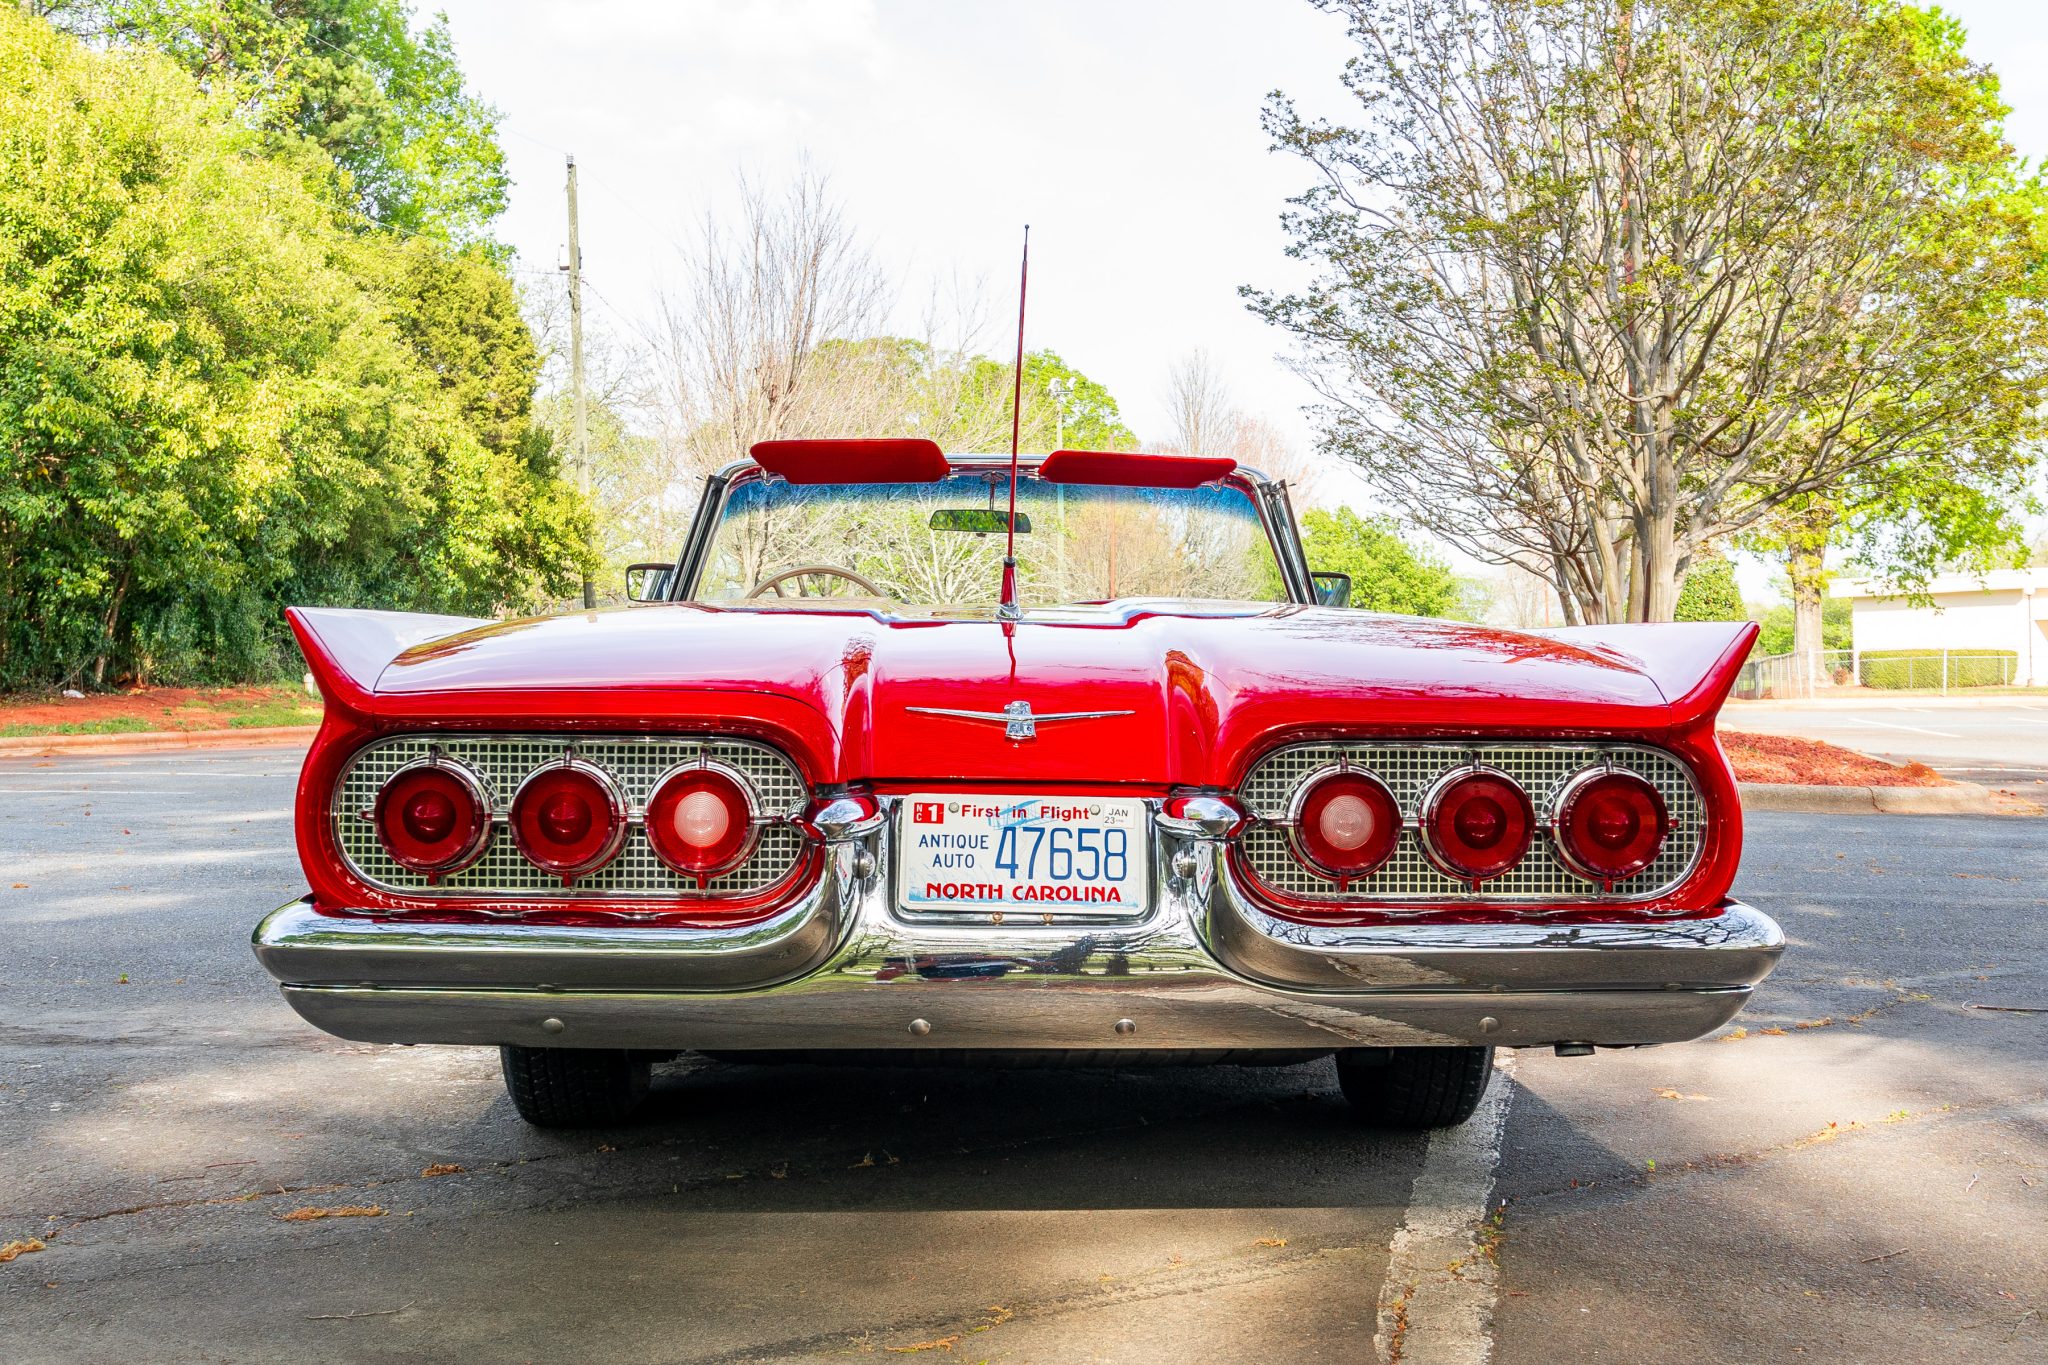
(1015, 718)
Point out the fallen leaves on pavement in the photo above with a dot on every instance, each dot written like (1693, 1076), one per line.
(307, 1215)
(23, 1248)
(997, 1316)
(442, 1168)
(940, 1344)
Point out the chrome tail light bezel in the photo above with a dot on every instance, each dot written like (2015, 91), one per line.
(1297, 815)
(754, 820)
(472, 786)
(1560, 813)
(615, 806)
(1429, 831)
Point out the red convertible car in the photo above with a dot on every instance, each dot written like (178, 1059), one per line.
(848, 780)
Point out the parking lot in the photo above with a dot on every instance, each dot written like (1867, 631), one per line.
(1857, 1171)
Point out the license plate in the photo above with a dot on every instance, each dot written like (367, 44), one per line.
(1030, 855)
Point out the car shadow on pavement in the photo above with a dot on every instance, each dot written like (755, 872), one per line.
(788, 1135)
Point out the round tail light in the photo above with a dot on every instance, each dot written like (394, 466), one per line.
(568, 819)
(432, 817)
(1476, 824)
(1347, 824)
(1610, 824)
(700, 821)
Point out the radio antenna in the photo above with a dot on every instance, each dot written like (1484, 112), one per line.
(1007, 609)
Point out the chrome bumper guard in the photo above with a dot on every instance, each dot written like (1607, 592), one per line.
(1205, 969)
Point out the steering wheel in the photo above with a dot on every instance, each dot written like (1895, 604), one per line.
(803, 573)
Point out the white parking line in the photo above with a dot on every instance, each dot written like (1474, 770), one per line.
(1436, 1305)
(1889, 725)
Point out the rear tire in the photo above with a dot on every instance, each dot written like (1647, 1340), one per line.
(562, 1087)
(1415, 1087)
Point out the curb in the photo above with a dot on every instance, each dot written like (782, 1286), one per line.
(1958, 798)
(151, 741)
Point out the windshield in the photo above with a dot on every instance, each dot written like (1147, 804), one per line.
(940, 545)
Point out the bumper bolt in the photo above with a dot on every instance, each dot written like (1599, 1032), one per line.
(1126, 1027)
(1185, 864)
(552, 1026)
(920, 1027)
(1488, 1024)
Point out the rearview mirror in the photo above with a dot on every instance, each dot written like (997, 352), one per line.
(1333, 589)
(648, 582)
(982, 521)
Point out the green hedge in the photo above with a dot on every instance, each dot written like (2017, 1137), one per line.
(1913, 668)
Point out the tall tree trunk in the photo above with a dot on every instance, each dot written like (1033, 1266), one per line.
(1803, 567)
(1660, 572)
(1567, 594)
(99, 665)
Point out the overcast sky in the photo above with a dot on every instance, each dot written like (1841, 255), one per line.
(1126, 132)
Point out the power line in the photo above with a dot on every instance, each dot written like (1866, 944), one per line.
(653, 342)
(527, 137)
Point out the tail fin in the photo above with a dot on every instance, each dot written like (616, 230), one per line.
(349, 650)
(1693, 663)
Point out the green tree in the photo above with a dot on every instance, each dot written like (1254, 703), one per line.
(217, 398)
(386, 101)
(1710, 593)
(1387, 573)
(1600, 282)
(1902, 523)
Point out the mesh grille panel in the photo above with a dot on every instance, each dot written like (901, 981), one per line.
(1410, 769)
(635, 763)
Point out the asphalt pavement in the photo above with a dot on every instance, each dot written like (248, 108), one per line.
(1857, 1170)
(2001, 743)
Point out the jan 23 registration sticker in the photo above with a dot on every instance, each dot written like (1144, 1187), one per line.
(1049, 854)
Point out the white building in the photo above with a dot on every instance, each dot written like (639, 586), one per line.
(2004, 609)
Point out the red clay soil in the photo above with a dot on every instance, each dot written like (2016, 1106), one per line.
(158, 708)
(1810, 763)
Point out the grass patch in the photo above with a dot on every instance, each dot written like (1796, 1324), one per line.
(277, 713)
(111, 725)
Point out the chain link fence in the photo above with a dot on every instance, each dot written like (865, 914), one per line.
(1885, 670)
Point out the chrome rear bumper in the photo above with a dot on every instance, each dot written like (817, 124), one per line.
(1206, 969)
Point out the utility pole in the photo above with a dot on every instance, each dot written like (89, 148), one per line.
(574, 265)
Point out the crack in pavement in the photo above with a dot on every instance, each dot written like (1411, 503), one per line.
(1191, 1278)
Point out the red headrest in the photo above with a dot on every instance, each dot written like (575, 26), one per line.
(1124, 469)
(894, 460)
